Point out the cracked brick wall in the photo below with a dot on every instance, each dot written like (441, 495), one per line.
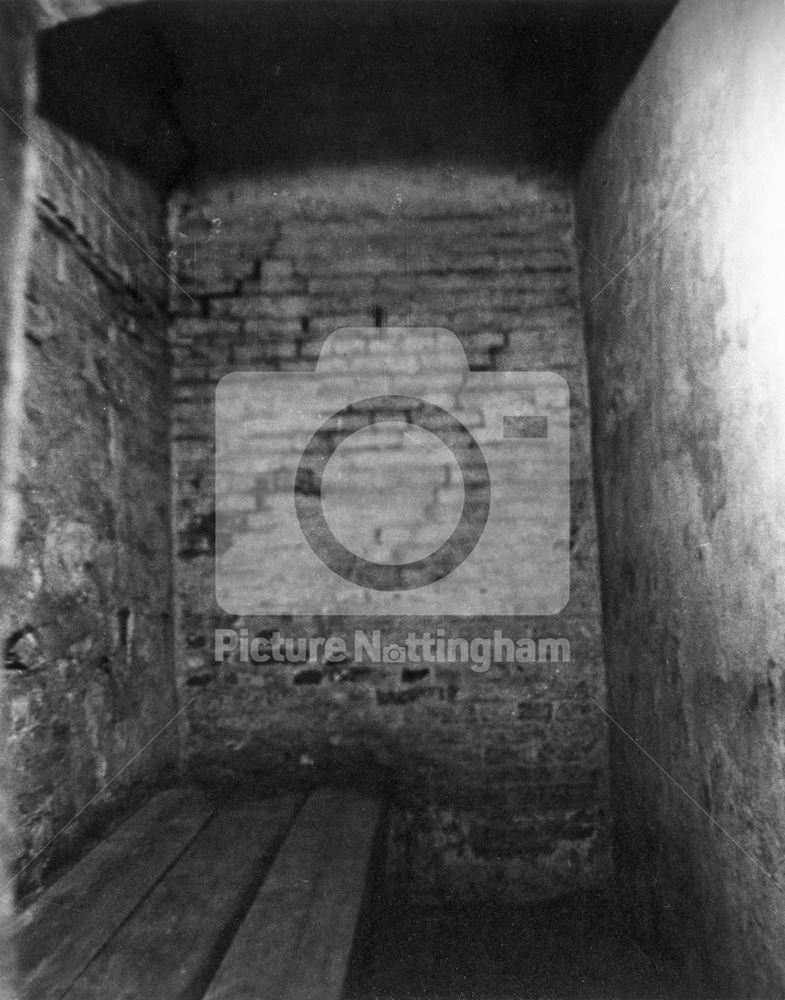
(86, 619)
(499, 777)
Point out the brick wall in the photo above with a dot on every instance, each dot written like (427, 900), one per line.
(86, 623)
(496, 775)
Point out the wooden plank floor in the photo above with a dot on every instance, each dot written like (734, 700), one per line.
(69, 924)
(174, 940)
(296, 941)
(257, 899)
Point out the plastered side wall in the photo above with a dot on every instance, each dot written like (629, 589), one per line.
(683, 198)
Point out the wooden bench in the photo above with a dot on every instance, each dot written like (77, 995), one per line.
(188, 900)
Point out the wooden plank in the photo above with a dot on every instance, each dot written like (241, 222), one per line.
(68, 924)
(173, 943)
(296, 939)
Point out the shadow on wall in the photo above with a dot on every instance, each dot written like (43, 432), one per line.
(212, 88)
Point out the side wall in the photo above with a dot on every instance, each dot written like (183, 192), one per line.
(17, 167)
(85, 624)
(683, 198)
(499, 778)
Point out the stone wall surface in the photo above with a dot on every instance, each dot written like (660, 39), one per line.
(498, 776)
(86, 622)
(683, 199)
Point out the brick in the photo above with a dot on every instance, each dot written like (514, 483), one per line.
(535, 711)
(202, 326)
(270, 306)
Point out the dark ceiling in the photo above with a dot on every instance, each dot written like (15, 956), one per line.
(199, 87)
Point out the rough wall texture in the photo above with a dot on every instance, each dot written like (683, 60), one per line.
(86, 623)
(498, 777)
(17, 163)
(686, 358)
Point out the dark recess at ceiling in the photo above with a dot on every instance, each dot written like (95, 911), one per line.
(179, 87)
